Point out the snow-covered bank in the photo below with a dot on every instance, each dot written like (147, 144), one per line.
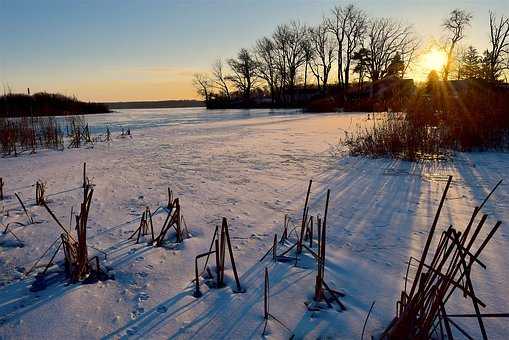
(252, 171)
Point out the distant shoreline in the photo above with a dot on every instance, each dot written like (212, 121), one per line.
(158, 104)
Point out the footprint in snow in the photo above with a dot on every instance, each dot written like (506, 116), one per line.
(143, 296)
(136, 313)
(132, 331)
(162, 309)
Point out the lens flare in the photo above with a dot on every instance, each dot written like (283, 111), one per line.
(435, 60)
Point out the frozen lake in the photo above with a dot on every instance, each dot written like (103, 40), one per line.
(142, 118)
(252, 167)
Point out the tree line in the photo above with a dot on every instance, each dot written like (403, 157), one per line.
(46, 104)
(360, 48)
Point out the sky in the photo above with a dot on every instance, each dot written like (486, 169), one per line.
(120, 50)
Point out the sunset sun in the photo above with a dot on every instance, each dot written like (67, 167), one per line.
(434, 60)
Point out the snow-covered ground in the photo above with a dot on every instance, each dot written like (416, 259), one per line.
(252, 167)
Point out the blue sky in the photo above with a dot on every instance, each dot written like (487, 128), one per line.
(148, 50)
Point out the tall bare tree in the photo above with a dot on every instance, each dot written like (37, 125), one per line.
(323, 46)
(290, 41)
(385, 39)
(203, 84)
(244, 69)
(497, 56)
(454, 25)
(308, 52)
(355, 31)
(266, 59)
(220, 78)
(337, 25)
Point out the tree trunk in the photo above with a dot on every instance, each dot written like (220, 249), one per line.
(340, 65)
(347, 74)
(305, 74)
(447, 67)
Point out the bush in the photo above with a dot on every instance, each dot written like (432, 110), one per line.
(463, 116)
(395, 136)
(28, 134)
(327, 104)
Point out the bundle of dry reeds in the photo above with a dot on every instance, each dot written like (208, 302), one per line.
(142, 229)
(220, 240)
(174, 219)
(40, 189)
(323, 292)
(75, 251)
(29, 134)
(78, 132)
(77, 263)
(421, 313)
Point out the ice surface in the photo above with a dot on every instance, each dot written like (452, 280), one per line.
(251, 167)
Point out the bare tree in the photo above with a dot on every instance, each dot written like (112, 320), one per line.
(408, 53)
(385, 39)
(290, 41)
(266, 59)
(244, 69)
(308, 52)
(220, 78)
(280, 62)
(323, 46)
(455, 25)
(337, 25)
(355, 30)
(202, 83)
(497, 56)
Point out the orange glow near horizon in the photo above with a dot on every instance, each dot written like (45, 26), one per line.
(119, 84)
(163, 82)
